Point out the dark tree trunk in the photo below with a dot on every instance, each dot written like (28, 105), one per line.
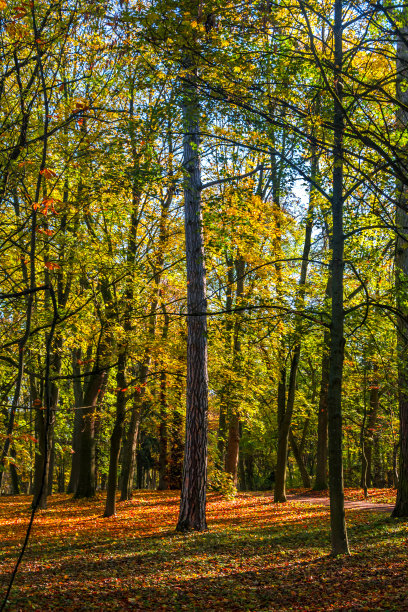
(87, 469)
(232, 453)
(163, 435)
(15, 484)
(368, 432)
(130, 442)
(241, 473)
(249, 468)
(221, 433)
(43, 467)
(51, 468)
(285, 408)
(401, 285)
(282, 451)
(116, 436)
(194, 480)
(224, 395)
(78, 419)
(337, 341)
(176, 451)
(322, 418)
(297, 453)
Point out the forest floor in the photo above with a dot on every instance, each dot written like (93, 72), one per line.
(256, 555)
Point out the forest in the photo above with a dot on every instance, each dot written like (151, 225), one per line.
(204, 286)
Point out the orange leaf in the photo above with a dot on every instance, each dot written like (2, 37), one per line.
(47, 173)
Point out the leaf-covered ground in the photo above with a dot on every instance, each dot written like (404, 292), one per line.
(255, 556)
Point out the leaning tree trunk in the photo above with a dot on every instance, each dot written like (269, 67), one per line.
(337, 516)
(194, 481)
(401, 285)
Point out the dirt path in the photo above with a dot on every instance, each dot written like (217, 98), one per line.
(352, 505)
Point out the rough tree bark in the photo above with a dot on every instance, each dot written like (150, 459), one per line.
(194, 480)
(401, 284)
(337, 516)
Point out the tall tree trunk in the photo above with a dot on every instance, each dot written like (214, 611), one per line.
(163, 428)
(337, 516)
(297, 453)
(194, 481)
(78, 418)
(116, 436)
(401, 285)
(279, 494)
(87, 474)
(176, 446)
(322, 418)
(15, 483)
(368, 431)
(285, 407)
(232, 454)
(42, 475)
(222, 422)
(130, 442)
(51, 467)
(163, 435)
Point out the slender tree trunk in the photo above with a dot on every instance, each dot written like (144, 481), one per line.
(14, 474)
(46, 442)
(78, 419)
(116, 436)
(176, 449)
(284, 428)
(337, 341)
(222, 422)
(368, 431)
(194, 481)
(232, 454)
(285, 409)
(130, 442)
(163, 435)
(51, 467)
(282, 451)
(401, 285)
(322, 418)
(297, 453)
(242, 475)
